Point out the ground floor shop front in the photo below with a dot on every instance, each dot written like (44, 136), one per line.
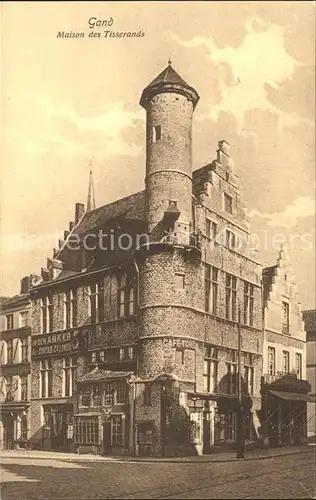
(286, 418)
(14, 425)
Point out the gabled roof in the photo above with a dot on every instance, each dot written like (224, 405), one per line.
(131, 207)
(14, 301)
(98, 375)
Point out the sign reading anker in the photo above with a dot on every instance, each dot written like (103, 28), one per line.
(55, 343)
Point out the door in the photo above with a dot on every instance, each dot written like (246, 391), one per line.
(8, 431)
(107, 448)
(208, 431)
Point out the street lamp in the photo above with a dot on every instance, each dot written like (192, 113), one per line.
(240, 441)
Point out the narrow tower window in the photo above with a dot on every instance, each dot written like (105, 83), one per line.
(156, 133)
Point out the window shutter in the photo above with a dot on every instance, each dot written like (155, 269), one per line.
(16, 351)
(3, 352)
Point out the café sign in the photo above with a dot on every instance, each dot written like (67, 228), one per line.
(59, 343)
(178, 343)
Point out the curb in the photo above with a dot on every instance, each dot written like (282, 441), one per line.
(157, 460)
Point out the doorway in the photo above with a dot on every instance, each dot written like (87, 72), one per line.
(107, 446)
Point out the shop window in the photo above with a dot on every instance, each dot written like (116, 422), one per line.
(230, 426)
(196, 427)
(117, 430)
(86, 430)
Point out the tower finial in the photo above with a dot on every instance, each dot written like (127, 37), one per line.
(169, 60)
(91, 198)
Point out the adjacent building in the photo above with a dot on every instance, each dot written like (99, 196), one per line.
(310, 327)
(15, 369)
(284, 385)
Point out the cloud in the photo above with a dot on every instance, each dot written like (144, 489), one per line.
(260, 60)
(61, 126)
(289, 217)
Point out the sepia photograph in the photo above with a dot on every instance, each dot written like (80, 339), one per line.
(157, 307)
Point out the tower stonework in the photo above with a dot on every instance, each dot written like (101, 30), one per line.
(170, 271)
(169, 104)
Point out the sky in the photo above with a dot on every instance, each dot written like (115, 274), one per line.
(68, 103)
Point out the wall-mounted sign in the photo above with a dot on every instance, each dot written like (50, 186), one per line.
(178, 343)
(59, 343)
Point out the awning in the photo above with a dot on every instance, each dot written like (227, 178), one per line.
(293, 396)
(205, 396)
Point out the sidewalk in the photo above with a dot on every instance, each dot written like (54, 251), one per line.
(224, 456)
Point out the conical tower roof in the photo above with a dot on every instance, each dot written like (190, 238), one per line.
(169, 75)
(168, 81)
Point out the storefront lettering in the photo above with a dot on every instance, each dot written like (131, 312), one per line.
(178, 343)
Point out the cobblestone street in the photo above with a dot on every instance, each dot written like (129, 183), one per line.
(291, 476)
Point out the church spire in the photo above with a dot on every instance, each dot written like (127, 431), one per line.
(91, 198)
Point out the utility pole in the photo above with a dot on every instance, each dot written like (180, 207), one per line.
(240, 410)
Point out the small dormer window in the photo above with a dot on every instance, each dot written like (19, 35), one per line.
(156, 133)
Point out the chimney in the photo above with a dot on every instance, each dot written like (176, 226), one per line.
(66, 234)
(60, 244)
(27, 282)
(79, 211)
(71, 226)
(25, 285)
(224, 147)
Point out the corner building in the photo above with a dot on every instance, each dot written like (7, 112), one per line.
(154, 344)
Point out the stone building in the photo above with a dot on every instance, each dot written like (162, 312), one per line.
(15, 369)
(136, 332)
(284, 385)
(310, 328)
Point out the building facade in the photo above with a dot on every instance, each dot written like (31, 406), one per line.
(285, 390)
(310, 328)
(136, 339)
(15, 370)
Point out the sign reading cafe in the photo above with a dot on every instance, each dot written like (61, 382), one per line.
(63, 342)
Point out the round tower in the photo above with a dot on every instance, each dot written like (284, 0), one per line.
(171, 295)
(169, 103)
